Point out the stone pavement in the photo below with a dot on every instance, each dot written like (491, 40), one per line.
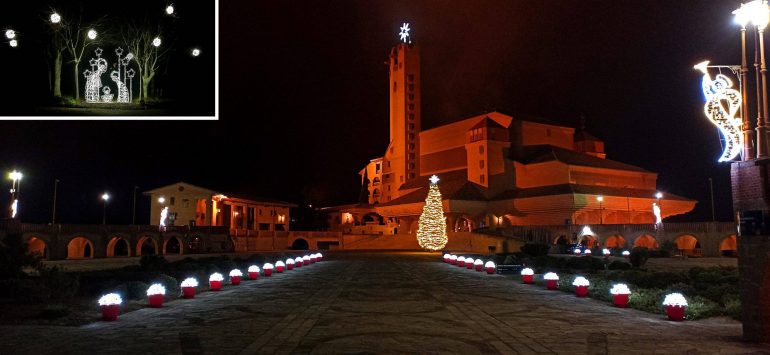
(383, 303)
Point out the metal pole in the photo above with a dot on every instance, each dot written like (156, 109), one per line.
(133, 214)
(713, 214)
(601, 214)
(761, 139)
(748, 133)
(763, 69)
(104, 215)
(53, 215)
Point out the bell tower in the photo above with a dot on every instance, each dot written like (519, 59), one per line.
(402, 159)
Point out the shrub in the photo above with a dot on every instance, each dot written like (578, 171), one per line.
(733, 308)
(63, 286)
(173, 289)
(510, 260)
(587, 263)
(25, 290)
(600, 289)
(639, 256)
(14, 257)
(535, 249)
(619, 265)
(136, 290)
(699, 308)
(152, 262)
(649, 300)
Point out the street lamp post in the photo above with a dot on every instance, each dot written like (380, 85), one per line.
(15, 177)
(742, 17)
(55, 189)
(601, 213)
(133, 210)
(105, 198)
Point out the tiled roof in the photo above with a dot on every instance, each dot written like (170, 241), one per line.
(487, 122)
(545, 153)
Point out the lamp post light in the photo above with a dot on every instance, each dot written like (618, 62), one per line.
(105, 198)
(133, 211)
(15, 177)
(55, 189)
(601, 215)
(742, 18)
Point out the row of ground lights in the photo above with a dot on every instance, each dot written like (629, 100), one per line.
(110, 303)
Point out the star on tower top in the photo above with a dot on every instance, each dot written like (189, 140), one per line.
(404, 34)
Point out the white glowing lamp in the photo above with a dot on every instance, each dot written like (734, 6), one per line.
(459, 259)
(55, 18)
(235, 272)
(588, 251)
(758, 11)
(580, 281)
(289, 261)
(742, 15)
(268, 266)
(469, 261)
(10, 34)
(170, 10)
(156, 289)
(626, 253)
(15, 176)
(447, 256)
(156, 42)
(453, 257)
(298, 259)
(606, 251)
(675, 299)
(190, 282)
(216, 277)
(110, 299)
(478, 262)
(161, 199)
(551, 276)
(527, 271)
(253, 268)
(576, 251)
(489, 264)
(306, 258)
(92, 34)
(196, 52)
(105, 196)
(319, 255)
(13, 43)
(620, 289)
(279, 264)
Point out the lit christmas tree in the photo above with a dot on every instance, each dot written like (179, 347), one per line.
(431, 231)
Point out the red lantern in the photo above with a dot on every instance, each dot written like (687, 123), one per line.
(479, 267)
(156, 301)
(551, 284)
(581, 291)
(469, 266)
(188, 292)
(253, 275)
(620, 300)
(110, 312)
(675, 313)
(215, 285)
(235, 280)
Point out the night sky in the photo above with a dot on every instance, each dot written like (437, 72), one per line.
(304, 98)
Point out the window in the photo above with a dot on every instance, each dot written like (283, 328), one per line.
(411, 136)
(250, 218)
(411, 107)
(260, 211)
(377, 167)
(411, 175)
(477, 134)
(410, 77)
(481, 164)
(411, 126)
(411, 117)
(411, 97)
(172, 201)
(411, 156)
(185, 203)
(411, 87)
(481, 149)
(481, 178)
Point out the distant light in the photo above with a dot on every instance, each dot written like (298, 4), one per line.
(156, 42)
(170, 9)
(15, 175)
(55, 18)
(105, 196)
(14, 43)
(196, 52)
(10, 34)
(659, 195)
(620, 289)
(606, 251)
(600, 198)
(161, 199)
(586, 231)
(92, 34)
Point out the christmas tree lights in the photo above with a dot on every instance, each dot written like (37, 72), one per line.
(431, 231)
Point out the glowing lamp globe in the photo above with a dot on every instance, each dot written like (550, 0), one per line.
(13, 43)
(551, 281)
(10, 34)
(188, 287)
(55, 18)
(306, 260)
(587, 252)
(268, 269)
(92, 34)
(196, 52)
(298, 261)
(156, 42)
(576, 251)
(461, 261)
(478, 264)
(235, 276)
(319, 256)
(215, 281)
(447, 257)
(626, 254)
(253, 272)
(453, 259)
(170, 10)
(469, 262)
(581, 286)
(620, 294)
(606, 252)
(676, 305)
(527, 275)
(279, 266)
(490, 266)
(155, 295)
(110, 305)
(289, 264)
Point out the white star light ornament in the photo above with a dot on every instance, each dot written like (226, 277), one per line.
(404, 34)
(434, 179)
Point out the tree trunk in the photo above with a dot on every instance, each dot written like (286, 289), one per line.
(77, 82)
(145, 86)
(57, 74)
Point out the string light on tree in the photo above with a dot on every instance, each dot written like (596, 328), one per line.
(404, 34)
(722, 104)
(431, 231)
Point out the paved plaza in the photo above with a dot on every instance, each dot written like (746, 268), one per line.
(384, 303)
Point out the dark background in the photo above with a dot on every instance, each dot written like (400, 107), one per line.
(304, 96)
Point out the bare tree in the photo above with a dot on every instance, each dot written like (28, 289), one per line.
(76, 40)
(149, 52)
(55, 52)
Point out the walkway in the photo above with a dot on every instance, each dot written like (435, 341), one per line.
(383, 303)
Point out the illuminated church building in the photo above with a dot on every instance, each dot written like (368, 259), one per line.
(495, 170)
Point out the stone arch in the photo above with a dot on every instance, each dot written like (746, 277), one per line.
(80, 248)
(615, 241)
(300, 244)
(561, 240)
(463, 224)
(588, 240)
(146, 246)
(373, 217)
(646, 241)
(118, 246)
(376, 180)
(37, 246)
(729, 246)
(173, 245)
(687, 245)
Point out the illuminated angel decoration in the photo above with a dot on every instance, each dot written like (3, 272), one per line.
(656, 212)
(722, 104)
(163, 216)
